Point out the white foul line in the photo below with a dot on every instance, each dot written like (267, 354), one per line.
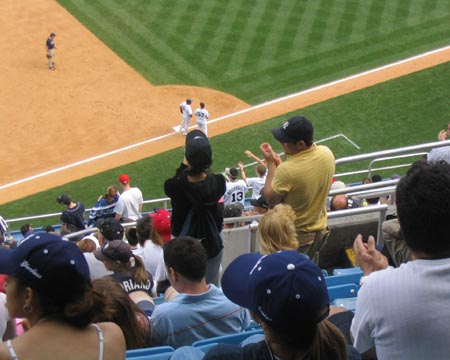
(281, 99)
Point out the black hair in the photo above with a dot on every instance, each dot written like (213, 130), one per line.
(423, 207)
(187, 256)
(198, 164)
(66, 297)
(143, 229)
(131, 235)
(48, 228)
(25, 228)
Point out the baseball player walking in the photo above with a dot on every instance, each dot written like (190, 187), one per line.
(202, 116)
(50, 47)
(186, 112)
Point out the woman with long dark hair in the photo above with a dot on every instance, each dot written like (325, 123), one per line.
(49, 285)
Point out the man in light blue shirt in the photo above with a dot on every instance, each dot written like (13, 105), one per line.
(443, 152)
(200, 310)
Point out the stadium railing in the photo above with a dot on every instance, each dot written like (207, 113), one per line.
(384, 155)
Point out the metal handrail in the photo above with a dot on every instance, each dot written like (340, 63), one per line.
(378, 154)
(397, 151)
(388, 158)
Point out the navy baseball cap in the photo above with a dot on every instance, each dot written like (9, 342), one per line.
(198, 149)
(64, 199)
(42, 258)
(111, 229)
(285, 289)
(260, 202)
(295, 129)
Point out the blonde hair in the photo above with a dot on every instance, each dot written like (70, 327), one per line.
(276, 230)
(88, 244)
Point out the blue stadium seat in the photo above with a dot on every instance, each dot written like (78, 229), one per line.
(346, 271)
(342, 291)
(206, 347)
(163, 356)
(347, 303)
(235, 339)
(141, 354)
(335, 280)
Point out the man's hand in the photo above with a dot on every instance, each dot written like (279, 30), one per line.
(367, 256)
(269, 155)
(249, 153)
(442, 135)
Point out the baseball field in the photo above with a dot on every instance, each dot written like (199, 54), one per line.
(122, 68)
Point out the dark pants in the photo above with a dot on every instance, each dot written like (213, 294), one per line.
(313, 242)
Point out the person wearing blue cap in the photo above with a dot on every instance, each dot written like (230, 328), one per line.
(287, 295)
(50, 47)
(49, 285)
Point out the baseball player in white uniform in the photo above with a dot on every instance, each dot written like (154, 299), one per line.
(186, 112)
(202, 116)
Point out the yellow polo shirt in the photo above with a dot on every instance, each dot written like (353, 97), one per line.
(304, 181)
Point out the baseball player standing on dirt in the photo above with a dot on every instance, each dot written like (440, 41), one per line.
(186, 112)
(202, 118)
(50, 46)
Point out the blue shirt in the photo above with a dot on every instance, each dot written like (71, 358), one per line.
(189, 318)
(50, 44)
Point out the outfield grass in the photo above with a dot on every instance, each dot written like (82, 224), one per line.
(401, 112)
(262, 49)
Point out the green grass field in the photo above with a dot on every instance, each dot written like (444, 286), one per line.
(261, 50)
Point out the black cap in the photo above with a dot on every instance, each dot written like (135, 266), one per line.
(260, 202)
(233, 210)
(198, 150)
(64, 199)
(111, 229)
(295, 129)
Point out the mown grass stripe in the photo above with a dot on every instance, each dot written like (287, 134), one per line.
(322, 19)
(263, 27)
(295, 16)
(336, 17)
(207, 29)
(326, 72)
(347, 51)
(375, 18)
(402, 13)
(362, 13)
(98, 20)
(169, 61)
(229, 51)
(346, 23)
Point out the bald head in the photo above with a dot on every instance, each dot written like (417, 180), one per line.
(339, 202)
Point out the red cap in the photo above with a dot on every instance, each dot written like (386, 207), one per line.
(124, 179)
(161, 223)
